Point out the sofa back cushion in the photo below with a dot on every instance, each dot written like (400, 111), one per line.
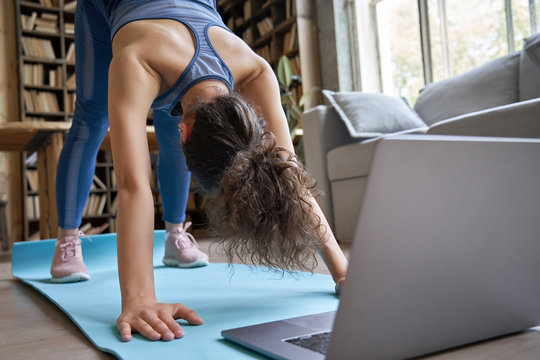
(492, 84)
(529, 69)
(368, 115)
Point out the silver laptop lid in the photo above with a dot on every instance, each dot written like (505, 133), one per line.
(447, 248)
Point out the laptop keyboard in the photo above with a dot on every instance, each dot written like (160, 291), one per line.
(316, 342)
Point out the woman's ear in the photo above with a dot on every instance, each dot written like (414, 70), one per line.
(185, 131)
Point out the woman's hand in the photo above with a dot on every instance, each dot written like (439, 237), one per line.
(155, 321)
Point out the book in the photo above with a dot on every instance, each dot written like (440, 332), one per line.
(31, 21)
(84, 228)
(101, 204)
(70, 82)
(247, 10)
(47, 22)
(114, 206)
(70, 53)
(70, 102)
(265, 26)
(99, 183)
(32, 179)
(97, 229)
(70, 6)
(69, 28)
(89, 205)
(291, 40)
(29, 204)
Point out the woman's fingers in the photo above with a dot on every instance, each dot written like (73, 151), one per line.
(172, 325)
(158, 324)
(182, 312)
(156, 321)
(125, 330)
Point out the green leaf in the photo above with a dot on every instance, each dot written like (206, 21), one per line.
(295, 109)
(307, 95)
(293, 122)
(285, 100)
(284, 71)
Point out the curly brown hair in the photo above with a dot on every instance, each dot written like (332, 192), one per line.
(259, 195)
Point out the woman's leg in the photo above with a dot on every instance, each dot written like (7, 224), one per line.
(76, 165)
(181, 249)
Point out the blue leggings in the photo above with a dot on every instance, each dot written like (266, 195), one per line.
(77, 161)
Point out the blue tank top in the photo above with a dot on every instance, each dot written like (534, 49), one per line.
(198, 16)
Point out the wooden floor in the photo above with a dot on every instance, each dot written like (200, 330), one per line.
(31, 327)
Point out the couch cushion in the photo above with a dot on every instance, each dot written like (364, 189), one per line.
(529, 69)
(492, 84)
(354, 160)
(369, 115)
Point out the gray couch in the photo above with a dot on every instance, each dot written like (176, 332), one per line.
(499, 98)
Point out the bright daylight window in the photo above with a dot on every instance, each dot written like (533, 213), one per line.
(429, 40)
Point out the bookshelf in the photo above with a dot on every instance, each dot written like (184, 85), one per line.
(273, 28)
(268, 26)
(45, 33)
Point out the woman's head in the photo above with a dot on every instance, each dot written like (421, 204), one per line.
(221, 128)
(259, 196)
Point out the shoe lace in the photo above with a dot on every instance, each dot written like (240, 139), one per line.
(69, 245)
(183, 239)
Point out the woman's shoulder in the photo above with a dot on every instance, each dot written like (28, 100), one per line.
(239, 57)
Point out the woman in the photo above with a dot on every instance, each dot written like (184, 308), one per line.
(177, 57)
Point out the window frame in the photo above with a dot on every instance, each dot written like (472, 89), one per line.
(363, 25)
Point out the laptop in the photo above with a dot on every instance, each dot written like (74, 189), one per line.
(445, 254)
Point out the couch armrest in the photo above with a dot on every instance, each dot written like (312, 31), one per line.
(519, 119)
(323, 131)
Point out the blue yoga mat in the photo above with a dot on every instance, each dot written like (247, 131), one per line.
(224, 298)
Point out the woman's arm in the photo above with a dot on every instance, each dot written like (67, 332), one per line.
(132, 88)
(262, 90)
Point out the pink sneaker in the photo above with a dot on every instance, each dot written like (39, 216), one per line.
(182, 250)
(67, 264)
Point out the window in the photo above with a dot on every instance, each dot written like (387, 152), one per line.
(417, 42)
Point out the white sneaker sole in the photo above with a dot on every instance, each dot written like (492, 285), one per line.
(196, 263)
(75, 277)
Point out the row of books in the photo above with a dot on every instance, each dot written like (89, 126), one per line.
(35, 74)
(42, 48)
(68, 5)
(290, 8)
(95, 205)
(40, 101)
(290, 40)
(49, 3)
(44, 22)
(89, 229)
(248, 13)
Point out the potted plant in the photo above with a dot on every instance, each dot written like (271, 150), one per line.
(288, 84)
